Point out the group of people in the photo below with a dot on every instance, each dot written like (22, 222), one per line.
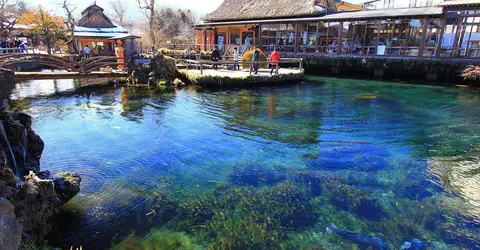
(274, 59)
(13, 46)
(87, 51)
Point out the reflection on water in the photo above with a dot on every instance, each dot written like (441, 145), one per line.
(266, 167)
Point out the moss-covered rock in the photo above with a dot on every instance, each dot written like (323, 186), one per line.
(160, 68)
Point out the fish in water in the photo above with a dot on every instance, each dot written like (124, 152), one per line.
(416, 244)
(363, 241)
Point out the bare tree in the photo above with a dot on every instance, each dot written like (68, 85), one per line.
(119, 10)
(10, 11)
(70, 23)
(118, 14)
(148, 6)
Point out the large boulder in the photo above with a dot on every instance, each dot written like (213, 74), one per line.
(10, 228)
(161, 69)
(6, 83)
(34, 196)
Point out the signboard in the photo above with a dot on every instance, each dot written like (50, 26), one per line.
(141, 61)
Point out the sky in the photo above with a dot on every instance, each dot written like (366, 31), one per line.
(202, 7)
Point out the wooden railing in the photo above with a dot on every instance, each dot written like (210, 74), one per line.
(202, 63)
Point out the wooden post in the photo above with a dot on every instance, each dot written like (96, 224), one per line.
(295, 50)
(201, 68)
(84, 65)
(339, 39)
(259, 42)
(440, 40)
(457, 37)
(423, 37)
(300, 66)
(204, 39)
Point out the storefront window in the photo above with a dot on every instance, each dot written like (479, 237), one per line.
(280, 36)
(371, 38)
(357, 32)
(235, 37)
(448, 39)
(431, 37)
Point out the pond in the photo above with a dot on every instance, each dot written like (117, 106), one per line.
(263, 168)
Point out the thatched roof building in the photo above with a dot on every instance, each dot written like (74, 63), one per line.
(254, 9)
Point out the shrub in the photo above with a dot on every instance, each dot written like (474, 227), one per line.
(471, 72)
(247, 57)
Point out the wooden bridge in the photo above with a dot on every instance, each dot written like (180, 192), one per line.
(85, 68)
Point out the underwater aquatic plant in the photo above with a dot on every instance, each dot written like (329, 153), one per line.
(195, 211)
(284, 202)
(165, 207)
(243, 231)
(351, 199)
(254, 175)
(160, 239)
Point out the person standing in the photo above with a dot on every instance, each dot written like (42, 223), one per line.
(274, 59)
(256, 59)
(215, 58)
(23, 48)
(86, 51)
(187, 53)
(236, 59)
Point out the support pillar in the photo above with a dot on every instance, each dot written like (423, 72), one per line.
(438, 48)
(339, 39)
(295, 50)
(421, 48)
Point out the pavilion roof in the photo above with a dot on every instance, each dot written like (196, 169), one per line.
(459, 3)
(339, 16)
(231, 10)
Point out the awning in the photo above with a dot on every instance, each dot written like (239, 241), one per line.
(125, 37)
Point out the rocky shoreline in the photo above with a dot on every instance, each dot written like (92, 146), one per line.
(28, 197)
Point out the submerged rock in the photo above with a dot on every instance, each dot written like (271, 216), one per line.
(67, 185)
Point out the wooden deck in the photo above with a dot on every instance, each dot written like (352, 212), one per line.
(21, 76)
(242, 73)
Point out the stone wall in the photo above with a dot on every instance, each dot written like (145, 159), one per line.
(430, 70)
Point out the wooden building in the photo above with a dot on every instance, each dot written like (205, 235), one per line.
(99, 32)
(451, 29)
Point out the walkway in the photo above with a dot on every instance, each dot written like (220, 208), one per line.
(241, 73)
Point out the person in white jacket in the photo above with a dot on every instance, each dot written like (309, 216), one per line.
(236, 59)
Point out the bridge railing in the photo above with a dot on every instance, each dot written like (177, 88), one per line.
(64, 63)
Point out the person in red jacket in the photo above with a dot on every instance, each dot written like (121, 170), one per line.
(274, 59)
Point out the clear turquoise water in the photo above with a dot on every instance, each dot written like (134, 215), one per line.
(397, 161)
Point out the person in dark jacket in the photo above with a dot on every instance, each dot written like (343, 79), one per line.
(215, 58)
(256, 59)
